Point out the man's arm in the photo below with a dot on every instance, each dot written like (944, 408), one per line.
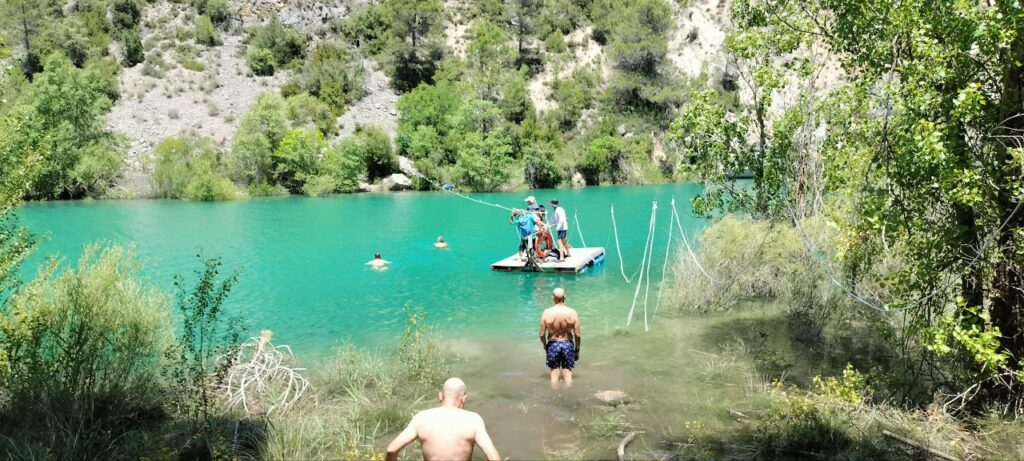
(483, 439)
(401, 440)
(576, 335)
(543, 332)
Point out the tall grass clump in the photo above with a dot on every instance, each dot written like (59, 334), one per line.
(82, 353)
(751, 260)
(358, 396)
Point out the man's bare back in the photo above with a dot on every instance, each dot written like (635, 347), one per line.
(560, 335)
(447, 432)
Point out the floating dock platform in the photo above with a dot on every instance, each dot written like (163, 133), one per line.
(578, 262)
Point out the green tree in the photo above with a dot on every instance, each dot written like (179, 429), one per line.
(540, 169)
(132, 46)
(522, 21)
(305, 110)
(345, 167)
(334, 75)
(603, 160)
(298, 158)
(638, 46)
(484, 164)
(191, 168)
(81, 158)
(373, 147)
(24, 19)
(415, 25)
(488, 59)
(125, 14)
(259, 134)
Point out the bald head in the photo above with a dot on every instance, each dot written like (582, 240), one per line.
(453, 392)
(559, 295)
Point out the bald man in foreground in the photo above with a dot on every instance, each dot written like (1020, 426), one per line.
(447, 432)
(560, 335)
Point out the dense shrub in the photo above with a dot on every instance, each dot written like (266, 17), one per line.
(284, 43)
(259, 133)
(574, 95)
(261, 61)
(334, 75)
(540, 169)
(297, 159)
(602, 160)
(83, 158)
(217, 10)
(305, 110)
(484, 163)
(132, 46)
(368, 28)
(426, 106)
(205, 33)
(344, 166)
(125, 14)
(191, 168)
(373, 147)
(84, 351)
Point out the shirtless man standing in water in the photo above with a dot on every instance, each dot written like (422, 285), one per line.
(560, 335)
(447, 432)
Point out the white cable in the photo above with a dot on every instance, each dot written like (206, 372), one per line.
(675, 216)
(650, 259)
(664, 266)
(639, 281)
(580, 231)
(615, 228)
(435, 184)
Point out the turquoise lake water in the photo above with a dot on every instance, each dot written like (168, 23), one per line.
(302, 260)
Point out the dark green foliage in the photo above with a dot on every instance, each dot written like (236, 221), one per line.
(206, 33)
(217, 10)
(603, 159)
(540, 169)
(427, 106)
(410, 67)
(369, 29)
(125, 14)
(344, 166)
(261, 61)
(372, 146)
(638, 44)
(132, 46)
(81, 157)
(334, 75)
(515, 99)
(206, 333)
(484, 164)
(574, 95)
(284, 44)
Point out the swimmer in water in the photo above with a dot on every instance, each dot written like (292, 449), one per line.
(440, 242)
(378, 263)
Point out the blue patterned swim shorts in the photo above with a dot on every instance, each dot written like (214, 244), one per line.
(561, 355)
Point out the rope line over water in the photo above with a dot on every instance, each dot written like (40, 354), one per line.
(689, 249)
(664, 265)
(648, 247)
(471, 199)
(622, 267)
(578, 229)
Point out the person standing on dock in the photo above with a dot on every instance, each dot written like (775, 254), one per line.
(526, 223)
(531, 204)
(560, 335)
(447, 432)
(560, 223)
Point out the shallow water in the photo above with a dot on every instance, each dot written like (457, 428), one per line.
(304, 276)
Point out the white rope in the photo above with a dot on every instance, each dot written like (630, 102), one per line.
(664, 266)
(689, 249)
(471, 199)
(580, 231)
(636, 293)
(618, 250)
(650, 258)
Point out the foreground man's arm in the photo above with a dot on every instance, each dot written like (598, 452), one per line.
(576, 337)
(484, 440)
(543, 333)
(404, 438)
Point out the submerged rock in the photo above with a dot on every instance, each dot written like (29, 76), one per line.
(397, 181)
(612, 397)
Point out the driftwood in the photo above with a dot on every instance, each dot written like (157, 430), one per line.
(622, 445)
(920, 446)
